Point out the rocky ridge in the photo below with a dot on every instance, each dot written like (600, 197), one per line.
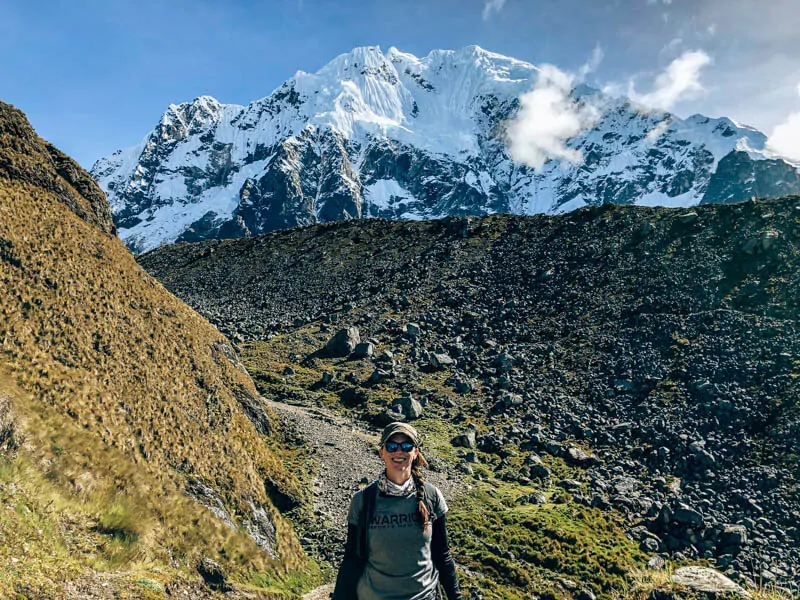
(651, 350)
(390, 135)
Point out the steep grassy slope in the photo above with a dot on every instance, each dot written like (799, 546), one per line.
(128, 422)
(664, 342)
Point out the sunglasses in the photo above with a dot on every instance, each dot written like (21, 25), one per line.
(404, 446)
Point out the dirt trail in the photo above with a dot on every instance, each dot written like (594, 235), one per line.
(345, 457)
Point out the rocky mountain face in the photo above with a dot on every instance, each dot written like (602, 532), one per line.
(390, 135)
(637, 363)
(131, 438)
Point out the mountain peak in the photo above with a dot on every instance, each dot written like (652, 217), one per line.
(397, 136)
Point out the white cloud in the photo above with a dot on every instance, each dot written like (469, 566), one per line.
(491, 6)
(548, 118)
(712, 29)
(591, 65)
(785, 138)
(680, 81)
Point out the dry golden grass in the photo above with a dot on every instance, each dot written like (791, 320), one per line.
(122, 394)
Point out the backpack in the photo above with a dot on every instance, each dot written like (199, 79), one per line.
(368, 511)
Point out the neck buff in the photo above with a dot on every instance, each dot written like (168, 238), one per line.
(388, 487)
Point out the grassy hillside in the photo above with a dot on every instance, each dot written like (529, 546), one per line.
(128, 421)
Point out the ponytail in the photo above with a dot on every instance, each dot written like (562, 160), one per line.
(419, 480)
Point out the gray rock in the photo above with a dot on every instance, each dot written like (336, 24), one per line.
(327, 377)
(510, 400)
(656, 563)
(412, 329)
(534, 498)
(364, 350)
(440, 360)
(733, 535)
(410, 407)
(533, 459)
(569, 484)
(686, 515)
(378, 376)
(386, 356)
(466, 439)
(212, 575)
(390, 416)
(343, 343)
(649, 545)
(540, 472)
(464, 386)
(704, 579)
(578, 456)
(626, 486)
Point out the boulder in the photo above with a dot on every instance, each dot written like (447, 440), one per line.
(378, 376)
(343, 343)
(364, 350)
(440, 360)
(539, 472)
(410, 407)
(577, 456)
(534, 498)
(508, 400)
(390, 416)
(709, 581)
(686, 515)
(466, 439)
(386, 356)
(733, 535)
(412, 330)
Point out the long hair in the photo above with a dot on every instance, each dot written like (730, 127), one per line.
(419, 480)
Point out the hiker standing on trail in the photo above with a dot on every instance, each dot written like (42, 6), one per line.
(397, 545)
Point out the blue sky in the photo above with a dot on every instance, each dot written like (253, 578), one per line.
(94, 76)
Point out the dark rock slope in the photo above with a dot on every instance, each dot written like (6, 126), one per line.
(664, 341)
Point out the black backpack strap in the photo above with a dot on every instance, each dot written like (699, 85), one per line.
(367, 512)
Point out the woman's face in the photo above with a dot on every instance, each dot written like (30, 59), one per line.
(398, 463)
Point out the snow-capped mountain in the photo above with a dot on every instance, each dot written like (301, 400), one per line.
(376, 134)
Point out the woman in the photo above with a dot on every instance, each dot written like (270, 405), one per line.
(396, 535)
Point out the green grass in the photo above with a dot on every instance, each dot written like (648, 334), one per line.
(527, 549)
